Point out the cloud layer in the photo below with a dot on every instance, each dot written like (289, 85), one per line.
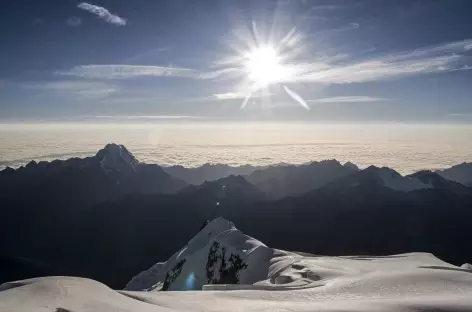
(103, 13)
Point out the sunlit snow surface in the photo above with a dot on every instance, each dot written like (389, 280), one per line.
(293, 282)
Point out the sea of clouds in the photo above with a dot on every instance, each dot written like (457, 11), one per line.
(406, 148)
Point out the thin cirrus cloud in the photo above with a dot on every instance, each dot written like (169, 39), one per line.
(436, 59)
(331, 7)
(230, 96)
(349, 99)
(145, 117)
(103, 13)
(66, 85)
(83, 89)
(125, 71)
(74, 21)
(461, 115)
(118, 71)
(238, 95)
(446, 57)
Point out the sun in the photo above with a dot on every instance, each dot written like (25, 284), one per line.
(263, 66)
(264, 60)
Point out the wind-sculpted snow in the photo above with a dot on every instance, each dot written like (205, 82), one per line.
(266, 279)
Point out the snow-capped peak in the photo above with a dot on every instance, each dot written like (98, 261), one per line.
(218, 254)
(392, 179)
(114, 156)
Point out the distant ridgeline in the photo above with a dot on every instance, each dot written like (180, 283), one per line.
(110, 216)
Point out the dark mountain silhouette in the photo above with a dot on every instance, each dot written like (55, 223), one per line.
(120, 238)
(439, 182)
(208, 172)
(40, 201)
(232, 187)
(351, 166)
(461, 173)
(280, 181)
(111, 173)
(73, 216)
(374, 179)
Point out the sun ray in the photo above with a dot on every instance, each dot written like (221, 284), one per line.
(246, 99)
(296, 97)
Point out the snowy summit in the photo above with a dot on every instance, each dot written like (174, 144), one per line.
(116, 157)
(222, 258)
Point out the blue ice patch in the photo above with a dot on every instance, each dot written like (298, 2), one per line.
(190, 282)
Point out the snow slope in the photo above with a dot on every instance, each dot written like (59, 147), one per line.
(273, 280)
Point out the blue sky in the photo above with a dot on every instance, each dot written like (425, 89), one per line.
(360, 60)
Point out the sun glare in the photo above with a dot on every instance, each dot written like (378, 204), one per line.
(263, 66)
(263, 61)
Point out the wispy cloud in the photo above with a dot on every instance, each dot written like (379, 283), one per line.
(115, 71)
(39, 21)
(230, 95)
(325, 11)
(125, 71)
(146, 117)
(238, 95)
(349, 99)
(103, 13)
(65, 85)
(329, 33)
(219, 73)
(148, 53)
(96, 93)
(436, 59)
(83, 89)
(461, 115)
(330, 7)
(324, 71)
(74, 21)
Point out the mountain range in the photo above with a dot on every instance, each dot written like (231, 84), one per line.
(461, 173)
(111, 173)
(80, 216)
(209, 172)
